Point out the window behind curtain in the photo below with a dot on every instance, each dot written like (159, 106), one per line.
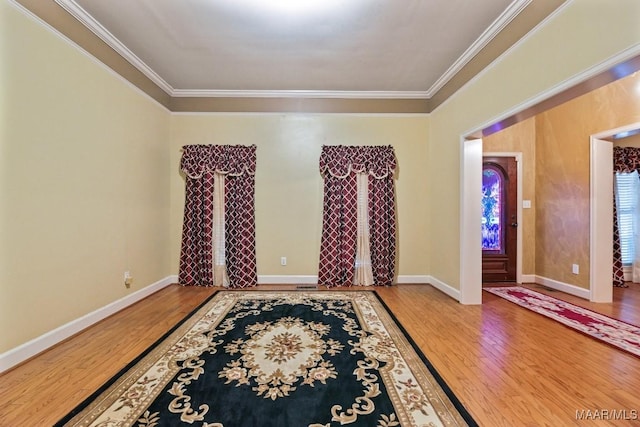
(627, 194)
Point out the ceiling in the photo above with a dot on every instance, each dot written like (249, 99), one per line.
(205, 54)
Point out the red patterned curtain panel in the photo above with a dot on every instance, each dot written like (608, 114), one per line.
(625, 160)
(218, 234)
(358, 244)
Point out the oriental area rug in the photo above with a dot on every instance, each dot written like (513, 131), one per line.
(604, 328)
(285, 359)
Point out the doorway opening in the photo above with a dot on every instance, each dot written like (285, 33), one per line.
(502, 247)
(499, 221)
(601, 206)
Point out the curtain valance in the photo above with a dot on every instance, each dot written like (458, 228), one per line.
(234, 160)
(626, 159)
(340, 160)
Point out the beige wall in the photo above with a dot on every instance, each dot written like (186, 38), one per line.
(289, 185)
(537, 64)
(562, 174)
(520, 138)
(84, 173)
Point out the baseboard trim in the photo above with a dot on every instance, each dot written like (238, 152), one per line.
(287, 280)
(563, 287)
(528, 278)
(417, 279)
(308, 280)
(37, 345)
(443, 287)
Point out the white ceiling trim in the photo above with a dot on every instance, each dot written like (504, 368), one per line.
(98, 29)
(339, 94)
(88, 21)
(489, 34)
(37, 19)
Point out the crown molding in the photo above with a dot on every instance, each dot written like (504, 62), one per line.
(325, 94)
(99, 30)
(85, 31)
(489, 34)
(75, 10)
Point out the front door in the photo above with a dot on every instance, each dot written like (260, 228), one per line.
(499, 219)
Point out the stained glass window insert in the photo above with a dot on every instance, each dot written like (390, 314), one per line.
(492, 184)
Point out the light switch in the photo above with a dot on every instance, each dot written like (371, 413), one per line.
(526, 204)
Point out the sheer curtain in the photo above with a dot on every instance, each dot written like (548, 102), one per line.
(218, 234)
(358, 244)
(626, 211)
(363, 272)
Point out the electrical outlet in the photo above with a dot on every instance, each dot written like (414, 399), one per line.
(575, 269)
(128, 279)
(283, 260)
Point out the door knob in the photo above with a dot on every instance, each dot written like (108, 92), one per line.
(514, 224)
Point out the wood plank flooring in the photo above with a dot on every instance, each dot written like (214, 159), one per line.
(507, 365)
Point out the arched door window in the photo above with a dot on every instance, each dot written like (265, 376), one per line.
(492, 209)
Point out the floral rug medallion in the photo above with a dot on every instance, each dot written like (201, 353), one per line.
(253, 358)
(280, 355)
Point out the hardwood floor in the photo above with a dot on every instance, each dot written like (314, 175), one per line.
(507, 365)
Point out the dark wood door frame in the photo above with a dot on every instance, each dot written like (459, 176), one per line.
(518, 208)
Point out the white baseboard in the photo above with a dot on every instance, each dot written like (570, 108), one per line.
(287, 280)
(37, 345)
(307, 280)
(528, 278)
(417, 279)
(563, 287)
(443, 287)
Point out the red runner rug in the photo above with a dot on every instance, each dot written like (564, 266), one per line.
(612, 331)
